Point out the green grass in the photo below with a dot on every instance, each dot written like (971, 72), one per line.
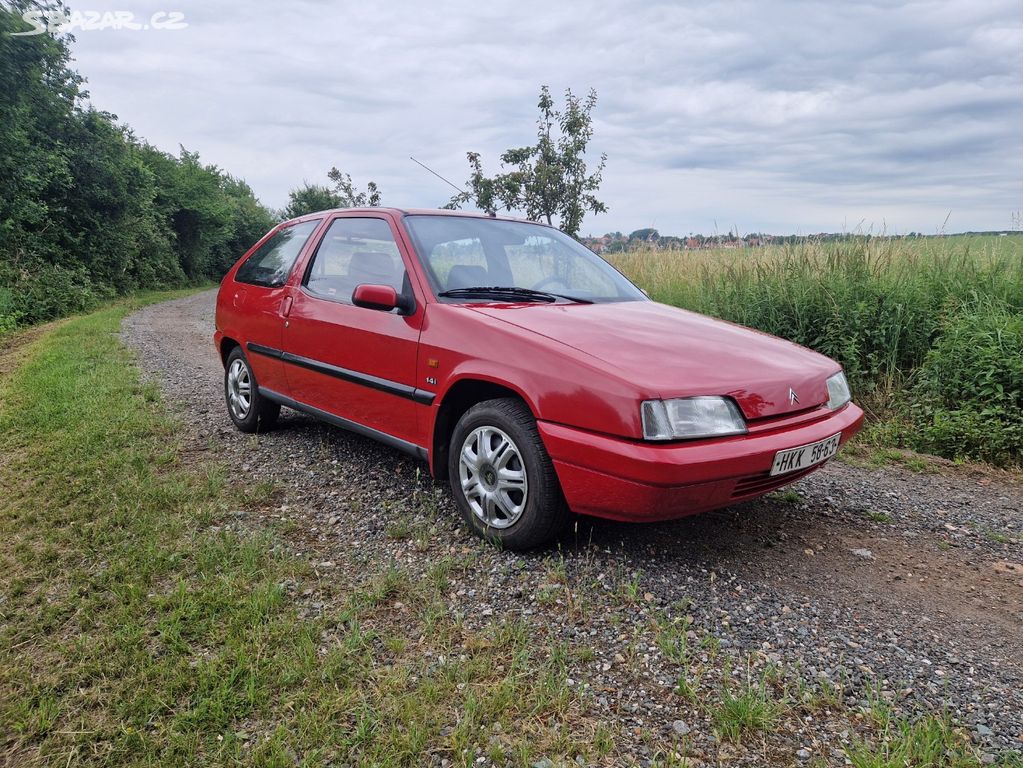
(928, 330)
(746, 708)
(142, 624)
(877, 517)
(930, 742)
(787, 496)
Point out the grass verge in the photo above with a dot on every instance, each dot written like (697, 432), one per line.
(141, 623)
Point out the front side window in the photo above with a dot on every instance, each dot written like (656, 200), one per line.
(471, 252)
(271, 264)
(354, 252)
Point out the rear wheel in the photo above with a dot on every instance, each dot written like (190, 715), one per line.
(502, 478)
(248, 409)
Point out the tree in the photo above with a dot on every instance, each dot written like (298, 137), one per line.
(645, 234)
(39, 95)
(310, 198)
(87, 210)
(349, 197)
(548, 180)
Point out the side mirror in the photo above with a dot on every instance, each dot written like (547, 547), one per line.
(381, 297)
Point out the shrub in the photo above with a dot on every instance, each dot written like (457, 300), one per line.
(8, 314)
(41, 292)
(968, 394)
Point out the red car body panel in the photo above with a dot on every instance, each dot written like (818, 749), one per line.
(558, 381)
(670, 352)
(623, 480)
(378, 344)
(582, 369)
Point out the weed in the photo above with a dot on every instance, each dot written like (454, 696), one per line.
(931, 741)
(673, 639)
(745, 708)
(788, 496)
(630, 587)
(398, 528)
(877, 517)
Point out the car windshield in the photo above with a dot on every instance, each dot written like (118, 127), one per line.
(463, 252)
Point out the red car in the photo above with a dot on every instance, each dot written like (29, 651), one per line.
(522, 367)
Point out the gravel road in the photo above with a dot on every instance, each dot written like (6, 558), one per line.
(903, 583)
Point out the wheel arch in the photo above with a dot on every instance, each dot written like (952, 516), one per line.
(459, 398)
(227, 346)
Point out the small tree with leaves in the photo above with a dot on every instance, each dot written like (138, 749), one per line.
(549, 180)
(349, 196)
(310, 198)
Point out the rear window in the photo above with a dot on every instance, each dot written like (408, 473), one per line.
(271, 264)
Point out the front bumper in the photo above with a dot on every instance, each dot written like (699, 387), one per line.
(633, 480)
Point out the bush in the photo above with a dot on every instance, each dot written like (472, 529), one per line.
(8, 317)
(41, 292)
(968, 394)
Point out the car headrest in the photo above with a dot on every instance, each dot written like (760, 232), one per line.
(466, 276)
(373, 267)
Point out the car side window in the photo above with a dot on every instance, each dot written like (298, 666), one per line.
(353, 252)
(271, 264)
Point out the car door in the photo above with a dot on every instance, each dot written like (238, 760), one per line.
(356, 363)
(258, 299)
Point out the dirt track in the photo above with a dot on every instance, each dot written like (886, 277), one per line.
(884, 576)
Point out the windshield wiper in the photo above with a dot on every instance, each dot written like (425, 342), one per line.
(509, 291)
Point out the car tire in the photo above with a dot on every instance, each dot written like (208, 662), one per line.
(248, 409)
(501, 477)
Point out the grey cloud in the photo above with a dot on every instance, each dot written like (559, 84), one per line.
(782, 116)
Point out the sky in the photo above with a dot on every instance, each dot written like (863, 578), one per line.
(779, 117)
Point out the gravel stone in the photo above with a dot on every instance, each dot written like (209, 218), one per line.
(680, 728)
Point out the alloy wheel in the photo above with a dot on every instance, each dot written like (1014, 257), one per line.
(239, 389)
(493, 477)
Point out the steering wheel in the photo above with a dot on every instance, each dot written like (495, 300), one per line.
(551, 280)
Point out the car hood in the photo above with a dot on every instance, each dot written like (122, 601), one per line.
(670, 352)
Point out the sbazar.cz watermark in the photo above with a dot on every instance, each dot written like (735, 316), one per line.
(62, 22)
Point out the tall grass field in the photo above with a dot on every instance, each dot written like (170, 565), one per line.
(929, 330)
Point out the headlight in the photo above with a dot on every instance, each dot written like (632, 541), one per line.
(689, 417)
(838, 391)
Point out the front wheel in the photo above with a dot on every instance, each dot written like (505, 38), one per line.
(248, 409)
(502, 478)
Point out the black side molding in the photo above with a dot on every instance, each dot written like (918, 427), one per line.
(259, 349)
(420, 396)
(394, 442)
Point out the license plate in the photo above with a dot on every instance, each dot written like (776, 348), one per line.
(794, 459)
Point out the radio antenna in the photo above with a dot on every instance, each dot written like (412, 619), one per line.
(428, 168)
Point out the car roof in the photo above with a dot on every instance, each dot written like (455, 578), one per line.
(412, 212)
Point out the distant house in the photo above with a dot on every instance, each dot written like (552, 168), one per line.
(598, 244)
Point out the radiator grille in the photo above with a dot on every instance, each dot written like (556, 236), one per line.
(765, 483)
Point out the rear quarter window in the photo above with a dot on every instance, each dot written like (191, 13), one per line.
(271, 264)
